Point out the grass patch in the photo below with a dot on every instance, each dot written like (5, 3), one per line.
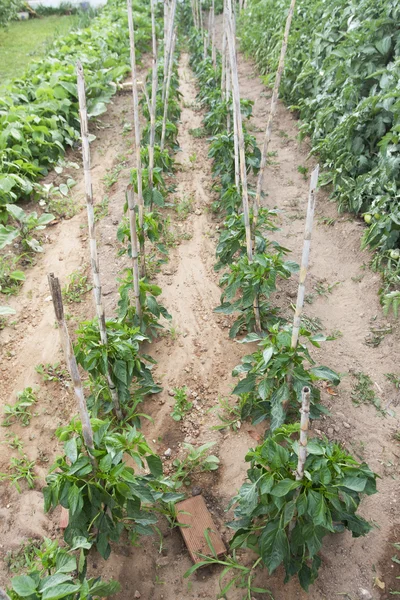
(25, 41)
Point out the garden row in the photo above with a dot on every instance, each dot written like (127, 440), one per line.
(106, 498)
(341, 79)
(290, 502)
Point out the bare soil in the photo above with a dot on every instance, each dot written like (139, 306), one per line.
(200, 355)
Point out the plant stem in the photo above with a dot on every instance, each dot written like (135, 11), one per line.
(92, 228)
(70, 359)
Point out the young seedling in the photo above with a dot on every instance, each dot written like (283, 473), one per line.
(20, 469)
(183, 208)
(54, 372)
(76, 288)
(363, 392)
(181, 405)
(196, 460)
(303, 171)
(21, 410)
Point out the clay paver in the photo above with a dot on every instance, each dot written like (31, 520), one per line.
(194, 514)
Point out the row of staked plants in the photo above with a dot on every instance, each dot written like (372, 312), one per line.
(341, 78)
(280, 518)
(108, 499)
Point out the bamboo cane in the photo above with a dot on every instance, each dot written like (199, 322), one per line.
(169, 46)
(3, 595)
(208, 32)
(166, 21)
(238, 134)
(272, 110)
(92, 227)
(305, 413)
(134, 245)
(154, 82)
(136, 122)
(305, 256)
(70, 359)
(212, 33)
(170, 69)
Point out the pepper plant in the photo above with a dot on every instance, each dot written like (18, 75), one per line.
(120, 357)
(283, 519)
(103, 494)
(276, 373)
(59, 573)
(247, 282)
(152, 310)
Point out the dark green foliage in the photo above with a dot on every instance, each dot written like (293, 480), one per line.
(285, 520)
(120, 357)
(276, 373)
(341, 76)
(59, 573)
(107, 497)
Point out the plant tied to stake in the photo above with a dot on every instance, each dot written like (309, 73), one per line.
(284, 515)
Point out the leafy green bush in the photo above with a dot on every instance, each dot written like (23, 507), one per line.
(285, 520)
(276, 373)
(341, 76)
(104, 496)
(39, 112)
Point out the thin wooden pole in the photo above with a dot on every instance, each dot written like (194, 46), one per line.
(272, 110)
(70, 359)
(92, 226)
(305, 415)
(166, 21)
(170, 69)
(242, 156)
(239, 133)
(135, 98)
(130, 195)
(212, 33)
(169, 46)
(305, 256)
(154, 83)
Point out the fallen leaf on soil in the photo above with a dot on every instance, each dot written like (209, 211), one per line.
(328, 389)
(380, 584)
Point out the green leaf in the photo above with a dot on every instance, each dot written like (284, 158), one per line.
(75, 500)
(316, 507)
(5, 311)
(23, 585)
(267, 354)
(60, 591)
(104, 588)
(71, 449)
(284, 487)
(155, 465)
(7, 235)
(245, 385)
(249, 496)
(274, 546)
(357, 484)
(53, 581)
(326, 374)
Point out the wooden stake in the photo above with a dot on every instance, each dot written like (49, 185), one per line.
(170, 69)
(305, 414)
(272, 110)
(212, 33)
(136, 121)
(92, 226)
(152, 111)
(166, 21)
(237, 120)
(305, 256)
(169, 44)
(130, 195)
(70, 359)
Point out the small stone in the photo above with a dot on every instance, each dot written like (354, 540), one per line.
(346, 425)
(198, 212)
(330, 430)
(336, 428)
(168, 452)
(171, 392)
(137, 594)
(364, 594)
